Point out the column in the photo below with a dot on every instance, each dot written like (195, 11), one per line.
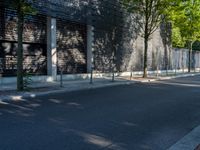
(51, 48)
(90, 40)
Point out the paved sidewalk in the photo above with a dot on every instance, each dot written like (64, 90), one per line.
(8, 91)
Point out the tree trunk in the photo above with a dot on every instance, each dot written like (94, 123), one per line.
(145, 57)
(190, 57)
(20, 84)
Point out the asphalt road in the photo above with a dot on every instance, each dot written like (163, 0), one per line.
(148, 116)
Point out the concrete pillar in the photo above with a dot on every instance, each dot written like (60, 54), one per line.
(90, 40)
(51, 48)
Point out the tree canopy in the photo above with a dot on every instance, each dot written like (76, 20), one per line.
(185, 17)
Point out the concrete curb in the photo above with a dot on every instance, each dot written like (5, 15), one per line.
(21, 96)
(179, 76)
(166, 78)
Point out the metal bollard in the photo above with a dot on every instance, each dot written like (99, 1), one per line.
(175, 70)
(131, 75)
(61, 78)
(157, 71)
(113, 75)
(167, 73)
(1, 70)
(91, 76)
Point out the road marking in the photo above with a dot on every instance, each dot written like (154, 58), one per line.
(188, 142)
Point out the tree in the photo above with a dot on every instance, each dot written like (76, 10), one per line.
(23, 8)
(185, 15)
(177, 39)
(148, 14)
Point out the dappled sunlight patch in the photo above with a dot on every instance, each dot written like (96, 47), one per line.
(25, 114)
(100, 141)
(17, 98)
(58, 121)
(19, 111)
(34, 105)
(73, 104)
(3, 103)
(55, 101)
(126, 123)
(32, 95)
(9, 111)
(97, 140)
(22, 108)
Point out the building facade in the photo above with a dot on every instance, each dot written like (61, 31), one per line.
(74, 36)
